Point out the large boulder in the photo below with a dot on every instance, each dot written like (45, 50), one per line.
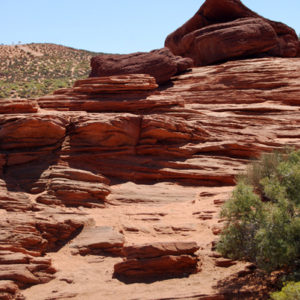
(161, 64)
(225, 29)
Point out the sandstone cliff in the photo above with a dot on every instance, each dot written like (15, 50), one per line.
(151, 165)
(112, 189)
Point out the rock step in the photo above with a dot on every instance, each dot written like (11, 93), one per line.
(152, 262)
(100, 240)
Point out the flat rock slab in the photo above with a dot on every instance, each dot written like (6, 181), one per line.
(158, 193)
(156, 261)
(160, 249)
(99, 240)
(153, 269)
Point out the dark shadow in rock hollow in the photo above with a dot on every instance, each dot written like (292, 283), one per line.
(147, 280)
(249, 284)
(21, 177)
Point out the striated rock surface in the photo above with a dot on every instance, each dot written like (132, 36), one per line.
(130, 93)
(9, 290)
(25, 237)
(30, 131)
(99, 240)
(226, 29)
(160, 64)
(157, 261)
(119, 166)
(160, 249)
(9, 106)
(156, 268)
(71, 187)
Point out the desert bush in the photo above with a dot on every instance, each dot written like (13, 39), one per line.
(291, 291)
(262, 216)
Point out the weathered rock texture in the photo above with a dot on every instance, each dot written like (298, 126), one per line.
(160, 64)
(151, 165)
(151, 262)
(99, 240)
(226, 29)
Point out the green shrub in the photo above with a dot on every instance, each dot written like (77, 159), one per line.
(291, 291)
(265, 232)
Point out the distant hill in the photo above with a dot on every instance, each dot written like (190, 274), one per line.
(33, 70)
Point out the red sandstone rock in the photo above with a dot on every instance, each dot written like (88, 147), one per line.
(24, 237)
(153, 269)
(34, 235)
(74, 193)
(160, 249)
(24, 269)
(134, 102)
(126, 93)
(111, 131)
(161, 64)
(12, 106)
(210, 125)
(210, 122)
(30, 131)
(57, 230)
(115, 84)
(15, 201)
(151, 262)
(99, 240)
(9, 290)
(219, 42)
(224, 262)
(222, 30)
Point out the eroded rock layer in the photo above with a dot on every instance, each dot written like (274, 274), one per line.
(161, 64)
(226, 29)
(124, 168)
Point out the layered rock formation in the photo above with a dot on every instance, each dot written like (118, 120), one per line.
(138, 167)
(99, 240)
(119, 180)
(226, 29)
(150, 262)
(160, 64)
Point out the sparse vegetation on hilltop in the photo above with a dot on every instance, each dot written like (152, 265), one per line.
(34, 70)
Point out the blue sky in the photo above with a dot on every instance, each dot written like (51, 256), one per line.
(114, 26)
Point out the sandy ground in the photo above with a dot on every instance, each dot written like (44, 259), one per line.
(164, 212)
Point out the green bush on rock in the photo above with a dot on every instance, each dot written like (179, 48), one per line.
(290, 291)
(263, 224)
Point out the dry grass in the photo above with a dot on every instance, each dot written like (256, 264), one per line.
(33, 70)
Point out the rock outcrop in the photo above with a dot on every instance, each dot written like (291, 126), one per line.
(102, 240)
(160, 64)
(226, 29)
(9, 106)
(149, 165)
(9, 290)
(25, 237)
(152, 262)
(71, 187)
